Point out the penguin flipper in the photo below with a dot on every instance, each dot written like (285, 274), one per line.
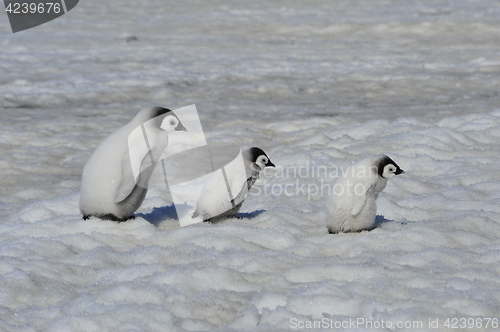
(359, 201)
(127, 182)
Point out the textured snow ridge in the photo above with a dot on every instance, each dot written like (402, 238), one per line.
(435, 254)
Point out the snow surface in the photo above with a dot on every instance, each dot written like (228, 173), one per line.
(316, 85)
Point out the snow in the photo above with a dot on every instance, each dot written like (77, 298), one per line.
(317, 85)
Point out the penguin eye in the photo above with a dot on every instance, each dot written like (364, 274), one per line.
(264, 160)
(172, 122)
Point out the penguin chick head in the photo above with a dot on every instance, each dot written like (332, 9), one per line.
(387, 168)
(172, 123)
(259, 159)
(167, 120)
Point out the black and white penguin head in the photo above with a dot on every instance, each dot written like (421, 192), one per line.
(258, 159)
(167, 119)
(172, 123)
(387, 168)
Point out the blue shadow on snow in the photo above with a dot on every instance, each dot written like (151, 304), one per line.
(160, 214)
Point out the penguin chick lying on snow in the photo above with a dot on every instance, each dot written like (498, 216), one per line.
(351, 206)
(214, 204)
(109, 188)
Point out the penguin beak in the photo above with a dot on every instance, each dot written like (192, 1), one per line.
(270, 164)
(399, 171)
(180, 127)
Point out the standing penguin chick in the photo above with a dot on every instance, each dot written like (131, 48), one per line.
(214, 204)
(109, 188)
(351, 206)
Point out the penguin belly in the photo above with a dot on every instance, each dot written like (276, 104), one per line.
(97, 195)
(104, 176)
(215, 202)
(341, 208)
(101, 178)
(340, 218)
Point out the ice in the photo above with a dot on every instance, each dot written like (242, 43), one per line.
(317, 85)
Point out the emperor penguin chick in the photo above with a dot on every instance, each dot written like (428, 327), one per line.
(213, 203)
(351, 206)
(110, 190)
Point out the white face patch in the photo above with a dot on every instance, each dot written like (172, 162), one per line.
(261, 162)
(389, 171)
(169, 123)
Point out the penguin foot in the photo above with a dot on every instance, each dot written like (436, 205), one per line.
(331, 232)
(115, 218)
(350, 231)
(108, 216)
